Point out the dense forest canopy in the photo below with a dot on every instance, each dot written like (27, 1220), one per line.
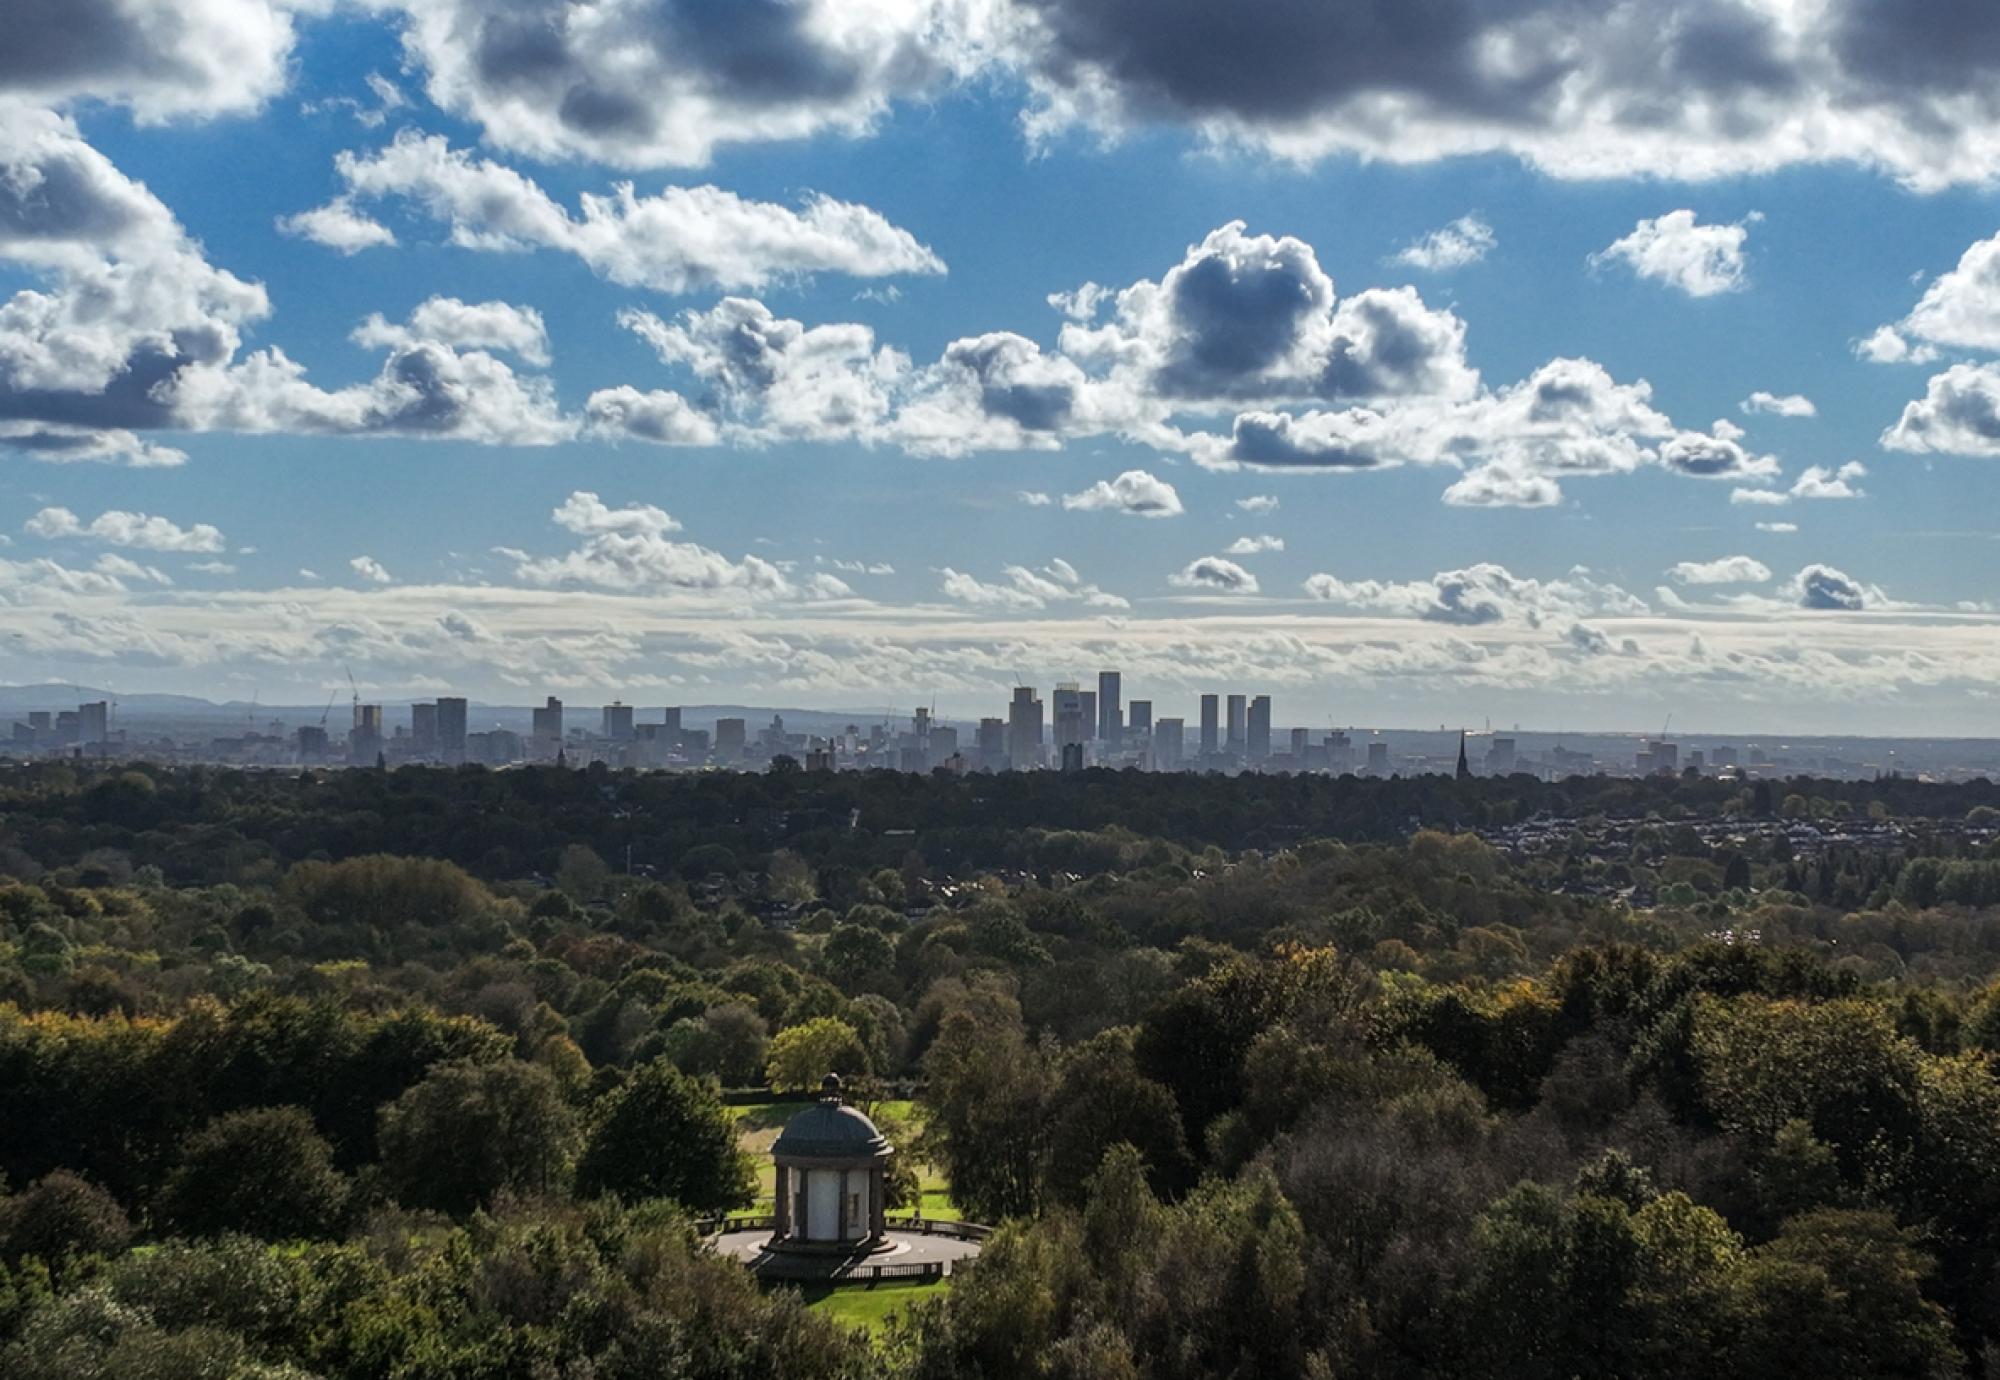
(428, 1073)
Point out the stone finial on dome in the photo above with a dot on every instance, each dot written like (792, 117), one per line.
(829, 1088)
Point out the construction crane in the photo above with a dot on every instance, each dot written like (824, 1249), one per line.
(1665, 726)
(330, 695)
(357, 692)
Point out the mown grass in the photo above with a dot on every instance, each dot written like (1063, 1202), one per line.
(870, 1308)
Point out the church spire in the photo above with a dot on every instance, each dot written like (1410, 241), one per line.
(1464, 767)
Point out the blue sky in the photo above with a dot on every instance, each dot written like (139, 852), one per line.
(769, 431)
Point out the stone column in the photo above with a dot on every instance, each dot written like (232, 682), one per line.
(879, 1201)
(783, 1228)
(841, 1233)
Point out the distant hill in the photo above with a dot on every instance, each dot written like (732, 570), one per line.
(19, 699)
(133, 708)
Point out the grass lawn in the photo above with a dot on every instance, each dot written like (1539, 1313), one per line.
(870, 1309)
(757, 1126)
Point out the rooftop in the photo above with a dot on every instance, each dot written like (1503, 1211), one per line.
(830, 1129)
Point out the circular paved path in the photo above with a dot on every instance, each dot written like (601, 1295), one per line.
(905, 1248)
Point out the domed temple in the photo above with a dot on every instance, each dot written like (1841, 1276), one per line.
(830, 1220)
(831, 1163)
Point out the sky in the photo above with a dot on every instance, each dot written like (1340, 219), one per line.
(1523, 361)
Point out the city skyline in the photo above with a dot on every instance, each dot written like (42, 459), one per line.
(1073, 731)
(328, 340)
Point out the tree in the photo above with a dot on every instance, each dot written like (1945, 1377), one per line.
(1100, 1100)
(665, 1135)
(265, 1172)
(988, 1125)
(790, 879)
(854, 953)
(1841, 1293)
(727, 1041)
(581, 874)
(802, 1055)
(1736, 873)
(470, 1131)
(60, 1216)
(1838, 1066)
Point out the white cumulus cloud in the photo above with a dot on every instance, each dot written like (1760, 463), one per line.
(1135, 493)
(1700, 260)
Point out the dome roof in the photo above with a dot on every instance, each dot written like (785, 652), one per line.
(830, 1130)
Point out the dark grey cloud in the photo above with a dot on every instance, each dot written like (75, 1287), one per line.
(132, 399)
(1287, 59)
(1695, 88)
(163, 57)
(1702, 456)
(1583, 87)
(62, 198)
(1238, 315)
(1034, 402)
(662, 82)
(1823, 588)
(1254, 318)
(1936, 45)
(1959, 414)
(1464, 600)
(1281, 440)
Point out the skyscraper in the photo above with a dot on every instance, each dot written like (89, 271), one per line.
(1209, 725)
(618, 721)
(1024, 729)
(731, 735)
(312, 743)
(1110, 708)
(424, 730)
(1088, 699)
(992, 744)
(1238, 725)
(364, 740)
(1139, 718)
(1066, 710)
(549, 722)
(1339, 752)
(1257, 729)
(451, 728)
(93, 723)
(1169, 741)
(943, 744)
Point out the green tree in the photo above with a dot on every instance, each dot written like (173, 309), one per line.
(854, 953)
(265, 1172)
(581, 874)
(729, 1042)
(802, 1055)
(988, 1125)
(665, 1135)
(470, 1131)
(1842, 1293)
(1101, 1100)
(790, 878)
(1838, 1066)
